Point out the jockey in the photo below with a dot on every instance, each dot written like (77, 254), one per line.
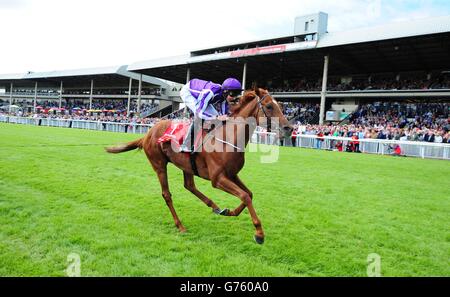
(200, 96)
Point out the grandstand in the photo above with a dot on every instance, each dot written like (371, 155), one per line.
(94, 90)
(404, 61)
(337, 71)
(320, 77)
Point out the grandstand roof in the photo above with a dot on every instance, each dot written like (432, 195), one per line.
(114, 76)
(11, 76)
(395, 30)
(394, 47)
(74, 72)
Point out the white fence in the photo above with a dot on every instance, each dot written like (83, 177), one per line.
(371, 146)
(419, 149)
(79, 124)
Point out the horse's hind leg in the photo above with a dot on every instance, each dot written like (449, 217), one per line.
(162, 175)
(189, 184)
(159, 161)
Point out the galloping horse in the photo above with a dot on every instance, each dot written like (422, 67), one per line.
(220, 167)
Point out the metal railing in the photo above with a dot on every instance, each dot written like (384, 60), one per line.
(420, 149)
(372, 146)
(79, 124)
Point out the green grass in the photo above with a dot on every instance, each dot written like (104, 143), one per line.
(322, 212)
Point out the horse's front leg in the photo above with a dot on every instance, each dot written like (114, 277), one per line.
(237, 211)
(224, 183)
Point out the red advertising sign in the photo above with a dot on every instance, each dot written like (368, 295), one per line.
(259, 51)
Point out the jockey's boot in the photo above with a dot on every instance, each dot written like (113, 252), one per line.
(188, 143)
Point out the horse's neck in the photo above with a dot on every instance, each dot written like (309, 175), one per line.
(246, 121)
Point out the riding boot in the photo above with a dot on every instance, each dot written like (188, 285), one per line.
(188, 142)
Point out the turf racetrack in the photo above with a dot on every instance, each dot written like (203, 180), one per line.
(322, 212)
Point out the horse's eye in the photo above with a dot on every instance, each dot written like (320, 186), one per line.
(269, 106)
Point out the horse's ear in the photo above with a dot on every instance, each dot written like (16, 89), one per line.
(255, 88)
(248, 96)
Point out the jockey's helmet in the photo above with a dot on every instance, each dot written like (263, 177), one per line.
(232, 86)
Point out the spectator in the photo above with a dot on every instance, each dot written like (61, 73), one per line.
(319, 139)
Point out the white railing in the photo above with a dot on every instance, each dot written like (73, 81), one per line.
(79, 124)
(372, 146)
(419, 149)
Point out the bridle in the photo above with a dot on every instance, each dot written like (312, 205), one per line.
(260, 106)
(269, 122)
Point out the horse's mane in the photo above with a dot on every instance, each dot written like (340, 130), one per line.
(248, 96)
(244, 100)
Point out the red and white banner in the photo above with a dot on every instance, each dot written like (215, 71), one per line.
(264, 50)
(258, 51)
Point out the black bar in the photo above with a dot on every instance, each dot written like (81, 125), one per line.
(224, 286)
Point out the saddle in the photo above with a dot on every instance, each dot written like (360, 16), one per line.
(175, 133)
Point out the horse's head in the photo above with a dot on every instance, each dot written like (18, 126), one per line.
(260, 104)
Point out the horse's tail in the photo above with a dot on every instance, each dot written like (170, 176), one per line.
(125, 147)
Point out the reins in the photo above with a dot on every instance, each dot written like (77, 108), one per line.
(269, 122)
(260, 106)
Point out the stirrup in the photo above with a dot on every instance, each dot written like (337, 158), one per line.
(188, 138)
(185, 149)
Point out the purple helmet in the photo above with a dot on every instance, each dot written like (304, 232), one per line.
(231, 84)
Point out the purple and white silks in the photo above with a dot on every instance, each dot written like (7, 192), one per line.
(200, 95)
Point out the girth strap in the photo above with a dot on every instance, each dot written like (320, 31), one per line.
(193, 165)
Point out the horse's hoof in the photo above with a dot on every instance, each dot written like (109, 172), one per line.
(258, 239)
(217, 210)
(224, 212)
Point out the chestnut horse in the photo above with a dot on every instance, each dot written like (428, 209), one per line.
(221, 166)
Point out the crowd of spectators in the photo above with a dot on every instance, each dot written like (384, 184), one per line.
(363, 83)
(102, 110)
(302, 112)
(119, 106)
(145, 91)
(97, 117)
(430, 115)
(428, 122)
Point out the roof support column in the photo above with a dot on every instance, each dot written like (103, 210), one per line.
(244, 75)
(35, 97)
(139, 95)
(188, 75)
(129, 97)
(188, 78)
(91, 93)
(10, 97)
(323, 94)
(60, 94)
